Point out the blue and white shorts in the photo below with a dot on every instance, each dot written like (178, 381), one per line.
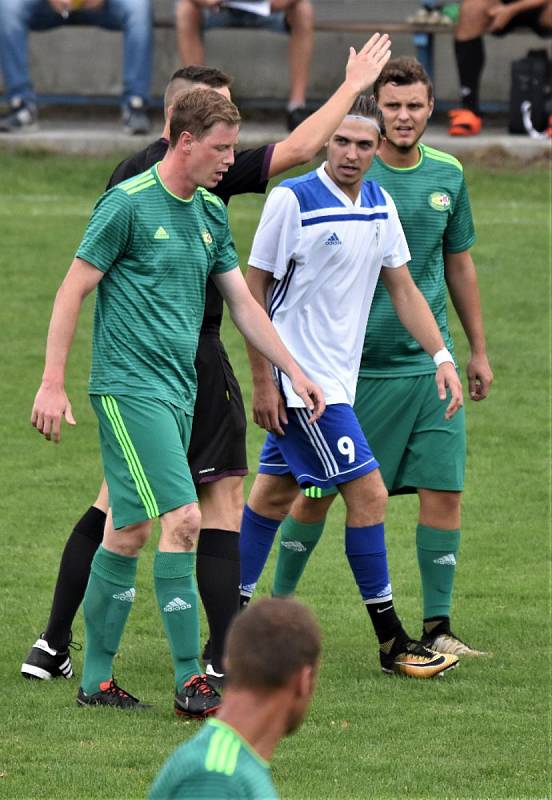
(332, 451)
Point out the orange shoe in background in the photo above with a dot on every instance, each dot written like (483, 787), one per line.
(464, 122)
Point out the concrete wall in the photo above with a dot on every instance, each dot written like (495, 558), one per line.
(87, 61)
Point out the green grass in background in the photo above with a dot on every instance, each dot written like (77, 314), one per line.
(482, 731)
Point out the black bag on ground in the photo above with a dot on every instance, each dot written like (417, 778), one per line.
(532, 82)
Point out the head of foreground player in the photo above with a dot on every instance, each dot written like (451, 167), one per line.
(354, 144)
(204, 127)
(404, 93)
(272, 658)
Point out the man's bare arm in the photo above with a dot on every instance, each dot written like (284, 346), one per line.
(463, 286)
(307, 139)
(51, 403)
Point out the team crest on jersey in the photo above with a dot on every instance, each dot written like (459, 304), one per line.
(206, 236)
(439, 201)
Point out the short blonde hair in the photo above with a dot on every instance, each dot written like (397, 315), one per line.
(197, 112)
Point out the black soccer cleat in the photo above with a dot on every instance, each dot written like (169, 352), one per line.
(197, 698)
(44, 663)
(111, 695)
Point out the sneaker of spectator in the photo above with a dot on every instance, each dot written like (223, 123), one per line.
(22, 116)
(135, 117)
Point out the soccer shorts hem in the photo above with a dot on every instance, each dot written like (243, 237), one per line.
(217, 445)
(332, 451)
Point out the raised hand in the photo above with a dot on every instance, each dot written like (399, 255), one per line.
(365, 66)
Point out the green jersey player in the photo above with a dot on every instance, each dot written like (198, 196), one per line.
(149, 248)
(418, 450)
(272, 653)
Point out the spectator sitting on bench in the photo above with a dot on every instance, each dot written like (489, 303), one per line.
(295, 17)
(132, 17)
(488, 16)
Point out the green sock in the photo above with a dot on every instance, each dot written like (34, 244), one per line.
(106, 606)
(437, 551)
(175, 587)
(297, 541)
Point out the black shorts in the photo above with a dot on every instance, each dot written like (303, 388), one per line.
(217, 445)
(527, 19)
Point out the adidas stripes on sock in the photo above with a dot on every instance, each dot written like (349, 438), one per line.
(297, 541)
(107, 603)
(175, 588)
(437, 551)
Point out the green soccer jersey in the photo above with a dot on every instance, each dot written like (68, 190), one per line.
(434, 209)
(157, 251)
(214, 765)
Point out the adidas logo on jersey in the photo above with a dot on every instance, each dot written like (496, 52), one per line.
(161, 233)
(297, 547)
(446, 561)
(126, 597)
(334, 239)
(385, 592)
(177, 605)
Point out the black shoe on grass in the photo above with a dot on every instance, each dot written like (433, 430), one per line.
(197, 698)
(111, 695)
(44, 663)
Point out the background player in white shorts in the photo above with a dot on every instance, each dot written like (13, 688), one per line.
(316, 258)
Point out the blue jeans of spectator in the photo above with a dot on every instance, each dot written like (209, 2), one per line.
(132, 17)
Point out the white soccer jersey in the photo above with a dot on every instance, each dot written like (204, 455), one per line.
(325, 252)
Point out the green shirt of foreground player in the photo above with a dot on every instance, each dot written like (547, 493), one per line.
(216, 763)
(272, 657)
(154, 249)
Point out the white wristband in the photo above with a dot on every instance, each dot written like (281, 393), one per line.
(441, 357)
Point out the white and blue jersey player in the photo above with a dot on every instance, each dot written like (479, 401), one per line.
(322, 242)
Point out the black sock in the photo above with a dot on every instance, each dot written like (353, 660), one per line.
(470, 59)
(74, 571)
(218, 581)
(386, 623)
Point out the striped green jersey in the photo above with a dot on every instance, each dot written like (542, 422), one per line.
(157, 251)
(215, 764)
(434, 209)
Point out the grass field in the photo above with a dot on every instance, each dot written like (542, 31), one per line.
(481, 732)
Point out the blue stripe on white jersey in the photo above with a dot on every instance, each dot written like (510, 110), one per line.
(367, 217)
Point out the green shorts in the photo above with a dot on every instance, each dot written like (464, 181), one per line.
(144, 443)
(404, 422)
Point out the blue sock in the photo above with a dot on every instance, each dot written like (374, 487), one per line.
(367, 556)
(256, 538)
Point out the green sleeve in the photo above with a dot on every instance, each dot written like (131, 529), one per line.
(227, 257)
(460, 232)
(108, 232)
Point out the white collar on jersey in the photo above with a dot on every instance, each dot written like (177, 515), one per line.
(334, 188)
